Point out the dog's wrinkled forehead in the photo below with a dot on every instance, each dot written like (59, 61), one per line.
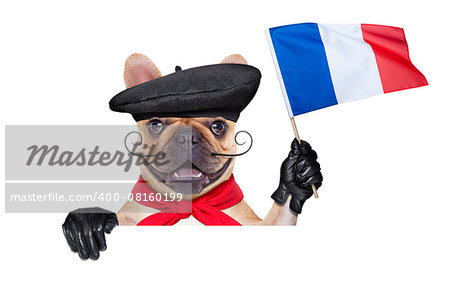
(221, 90)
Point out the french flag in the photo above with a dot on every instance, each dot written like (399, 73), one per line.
(320, 65)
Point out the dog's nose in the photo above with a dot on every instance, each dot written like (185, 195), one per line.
(187, 137)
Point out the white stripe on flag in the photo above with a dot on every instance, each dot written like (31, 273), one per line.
(352, 63)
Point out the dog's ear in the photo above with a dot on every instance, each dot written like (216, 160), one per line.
(234, 59)
(138, 69)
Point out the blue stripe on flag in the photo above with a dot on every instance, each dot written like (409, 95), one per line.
(304, 67)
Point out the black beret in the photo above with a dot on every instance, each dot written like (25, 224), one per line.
(208, 91)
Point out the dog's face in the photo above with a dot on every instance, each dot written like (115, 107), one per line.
(188, 143)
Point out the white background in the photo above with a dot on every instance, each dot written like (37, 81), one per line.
(380, 229)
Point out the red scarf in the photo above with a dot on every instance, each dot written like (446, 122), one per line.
(207, 208)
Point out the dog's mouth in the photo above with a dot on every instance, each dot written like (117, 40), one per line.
(189, 179)
(190, 173)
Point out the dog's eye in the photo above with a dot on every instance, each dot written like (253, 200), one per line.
(155, 126)
(218, 127)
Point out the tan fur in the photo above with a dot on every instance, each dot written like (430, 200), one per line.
(234, 59)
(139, 69)
(225, 145)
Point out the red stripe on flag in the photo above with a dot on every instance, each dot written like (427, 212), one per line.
(392, 55)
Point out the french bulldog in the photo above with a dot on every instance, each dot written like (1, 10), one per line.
(193, 171)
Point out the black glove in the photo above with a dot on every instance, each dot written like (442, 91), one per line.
(298, 172)
(85, 229)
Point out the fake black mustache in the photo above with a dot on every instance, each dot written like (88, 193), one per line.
(139, 142)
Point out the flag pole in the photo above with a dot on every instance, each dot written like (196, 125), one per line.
(286, 99)
(294, 126)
